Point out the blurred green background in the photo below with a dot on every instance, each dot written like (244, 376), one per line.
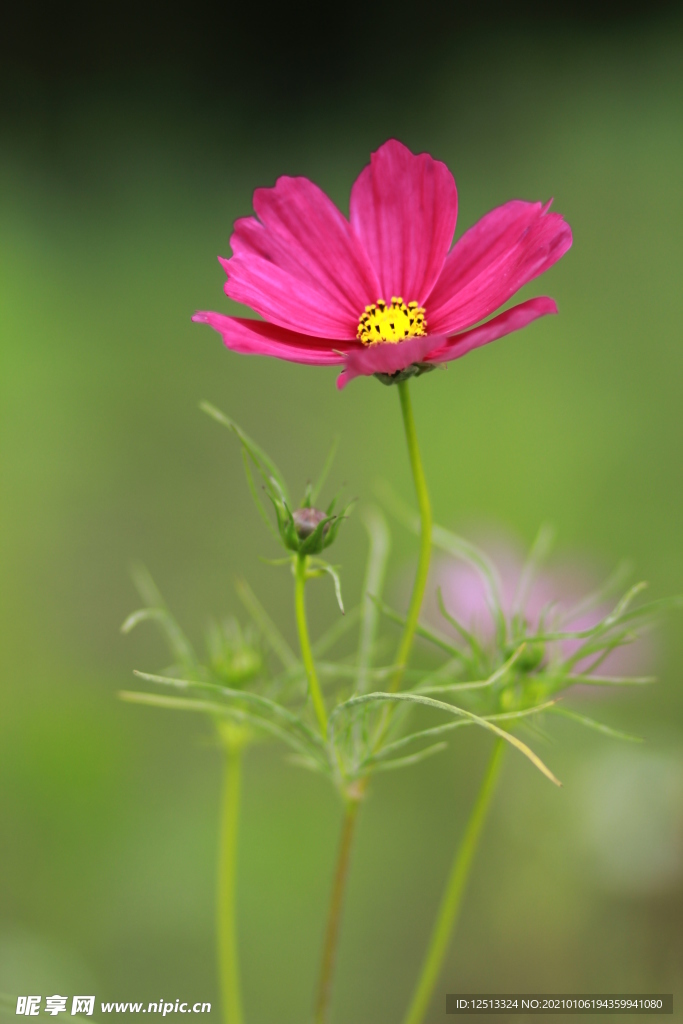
(114, 203)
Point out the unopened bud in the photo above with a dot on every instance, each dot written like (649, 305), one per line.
(529, 658)
(306, 520)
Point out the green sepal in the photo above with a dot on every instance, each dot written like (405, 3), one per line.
(272, 478)
(414, 370)
(317, 567)
(314, 491)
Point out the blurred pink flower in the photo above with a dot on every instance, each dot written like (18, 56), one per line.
(384, 290)
(551, 602)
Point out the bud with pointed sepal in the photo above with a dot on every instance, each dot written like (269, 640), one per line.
(305, 530)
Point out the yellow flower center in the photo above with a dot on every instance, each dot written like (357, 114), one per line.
(394, 323)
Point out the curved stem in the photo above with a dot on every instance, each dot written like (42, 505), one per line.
(305, 643)
(452, 897)
(228, 962)
(322, 1003)
(424, 506)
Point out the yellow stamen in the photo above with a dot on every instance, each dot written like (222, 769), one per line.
(394, 323)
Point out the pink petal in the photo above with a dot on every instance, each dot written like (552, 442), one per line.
(300, 265)
(385, 358)
(505, 323)
(403, 209)
(256, 338)
(507, 248)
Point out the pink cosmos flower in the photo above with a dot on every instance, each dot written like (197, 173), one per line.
(382, 292)
(554, 594)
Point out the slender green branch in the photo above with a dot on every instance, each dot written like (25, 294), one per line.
(228, 961)
(425, 509)
(405, 646)
(322, 1003)
(452, 898)
(305, 643)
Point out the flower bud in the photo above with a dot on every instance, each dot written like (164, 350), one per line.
(239, 667)
(234, 655)
(306, 520)
(531, 657)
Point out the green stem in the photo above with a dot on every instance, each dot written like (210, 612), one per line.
(452, 897)
(425, 509)
(322, 1004)
(305, 643)
(405, 646)
(228, 962)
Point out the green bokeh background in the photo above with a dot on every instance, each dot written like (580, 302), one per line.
(111, 214)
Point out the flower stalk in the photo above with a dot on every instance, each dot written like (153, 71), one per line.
(405, 647)
(228, 959)
(425, 510)
(300, 575)
(334, 916)
(452, 898)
